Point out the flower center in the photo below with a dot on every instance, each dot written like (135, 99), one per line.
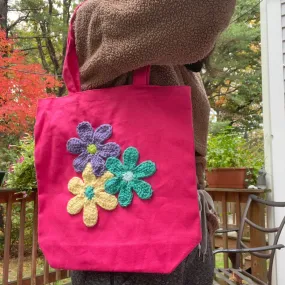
(92, 149)
(128, 176)
(89, 192)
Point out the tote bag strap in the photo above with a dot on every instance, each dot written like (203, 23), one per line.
(71, 67)
(141, 76)
(71, 73)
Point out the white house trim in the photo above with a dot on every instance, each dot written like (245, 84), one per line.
(274, 114)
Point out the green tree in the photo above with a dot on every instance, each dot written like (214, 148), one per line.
(233, 72)
(42, 32)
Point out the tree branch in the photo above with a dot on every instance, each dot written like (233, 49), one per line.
(223, 94)
(35, 37)
(25, 9)
(26, 49)
(19, 20)
(239, 108)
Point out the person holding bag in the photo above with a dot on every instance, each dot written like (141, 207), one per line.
(122, 157)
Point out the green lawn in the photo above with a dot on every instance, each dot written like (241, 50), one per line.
(220, 260)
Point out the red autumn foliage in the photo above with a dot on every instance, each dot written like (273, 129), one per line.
(21, 85)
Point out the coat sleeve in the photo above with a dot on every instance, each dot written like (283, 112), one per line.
(114, 37)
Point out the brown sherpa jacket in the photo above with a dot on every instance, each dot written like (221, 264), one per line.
(114, 37)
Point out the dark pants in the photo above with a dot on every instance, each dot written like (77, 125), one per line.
(192, 271)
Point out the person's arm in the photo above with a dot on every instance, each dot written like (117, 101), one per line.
(114, 37)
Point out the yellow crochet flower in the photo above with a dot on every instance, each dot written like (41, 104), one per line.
(89, 193)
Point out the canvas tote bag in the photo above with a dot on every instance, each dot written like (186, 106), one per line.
(116, 175)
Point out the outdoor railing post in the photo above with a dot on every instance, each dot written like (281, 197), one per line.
(238, 216)
(257, 239)
(9, 197)
(7, 238)
(21, 243)
(225, 226)
(46, 272)
(35, 242)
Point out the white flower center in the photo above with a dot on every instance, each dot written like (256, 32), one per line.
(128, 176)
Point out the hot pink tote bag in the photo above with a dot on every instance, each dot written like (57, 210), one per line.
(116, 175)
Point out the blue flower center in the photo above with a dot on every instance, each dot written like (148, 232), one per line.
(89, 192)
(128, 176)
(92, 148)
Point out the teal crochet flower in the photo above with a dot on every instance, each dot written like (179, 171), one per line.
(128, 177)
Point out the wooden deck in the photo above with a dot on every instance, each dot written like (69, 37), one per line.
(226, 200)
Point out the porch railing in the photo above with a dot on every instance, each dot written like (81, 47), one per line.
(8, 198)
(230, 205)
(225, 200)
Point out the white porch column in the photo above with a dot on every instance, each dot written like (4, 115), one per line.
(274, 116)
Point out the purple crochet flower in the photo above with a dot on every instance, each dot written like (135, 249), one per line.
(91, 147)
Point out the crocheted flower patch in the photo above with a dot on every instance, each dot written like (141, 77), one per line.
(128, 177)
(91, 147)
(89, 193)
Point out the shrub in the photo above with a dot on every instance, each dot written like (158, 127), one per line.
(230, 149)
(22, 175)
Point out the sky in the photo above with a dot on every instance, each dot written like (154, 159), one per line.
(12, 16)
